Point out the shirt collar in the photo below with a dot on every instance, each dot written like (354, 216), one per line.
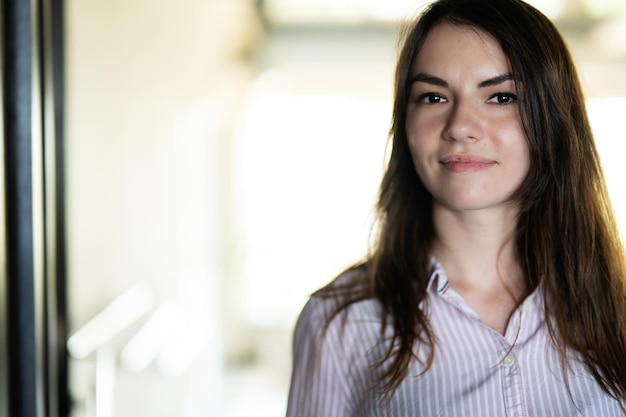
(438, 282)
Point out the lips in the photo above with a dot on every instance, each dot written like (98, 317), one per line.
(466, 163)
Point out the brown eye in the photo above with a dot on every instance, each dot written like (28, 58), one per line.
(431, 98)
(503, 98)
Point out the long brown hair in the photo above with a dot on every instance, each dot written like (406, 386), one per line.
(566, 233)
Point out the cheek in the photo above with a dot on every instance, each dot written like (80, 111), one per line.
(422, 135)
(425, 123)
(525, 162)
(519, 140)
(424, 139)
(518, 148)
(419, 150)
(510, 133)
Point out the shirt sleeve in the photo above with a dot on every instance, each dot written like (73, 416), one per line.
(320, 373)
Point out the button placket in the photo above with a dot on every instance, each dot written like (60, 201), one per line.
(513, 391)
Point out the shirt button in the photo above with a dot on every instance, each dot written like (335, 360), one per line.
(508, 360)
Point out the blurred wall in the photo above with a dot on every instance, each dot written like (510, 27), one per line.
(152, 91)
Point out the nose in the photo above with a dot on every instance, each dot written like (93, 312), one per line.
(463, 122)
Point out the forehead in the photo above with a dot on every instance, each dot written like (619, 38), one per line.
(453, 46)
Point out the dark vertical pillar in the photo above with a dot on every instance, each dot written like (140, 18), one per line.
(32, 270)
(24, 398)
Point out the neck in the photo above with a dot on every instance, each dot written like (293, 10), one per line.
(477, 249)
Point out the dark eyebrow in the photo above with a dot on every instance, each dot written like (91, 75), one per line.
(431, 79)
(498, 79)
(428, 79)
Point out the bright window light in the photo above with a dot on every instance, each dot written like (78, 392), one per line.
(606, 117)
(551, 8)
(604, 8)
(343, 11)
(310, 160)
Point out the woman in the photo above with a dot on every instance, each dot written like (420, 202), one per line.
(497, 285)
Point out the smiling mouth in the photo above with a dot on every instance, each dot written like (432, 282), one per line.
(466, 163)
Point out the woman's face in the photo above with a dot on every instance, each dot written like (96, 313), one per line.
(463, 124)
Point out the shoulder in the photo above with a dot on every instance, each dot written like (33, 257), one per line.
(338, 326)
(345, 300)
(335, 343)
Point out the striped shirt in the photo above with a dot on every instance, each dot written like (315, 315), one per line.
(476, 372)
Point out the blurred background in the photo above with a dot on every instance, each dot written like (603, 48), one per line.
(222, 159)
